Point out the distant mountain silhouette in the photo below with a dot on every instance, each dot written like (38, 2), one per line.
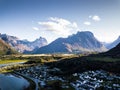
(6, 49)
(113, 44)
(23, 45)
(76, 43)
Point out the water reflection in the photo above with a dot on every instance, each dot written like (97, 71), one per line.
(12, 82)
(2, 65)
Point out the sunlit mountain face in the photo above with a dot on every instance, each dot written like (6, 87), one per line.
(23, 45)
(6, 49)
(80, 42)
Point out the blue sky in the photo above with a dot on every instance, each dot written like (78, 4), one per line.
(30, 19)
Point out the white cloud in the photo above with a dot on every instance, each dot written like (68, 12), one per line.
(87, 23)
(35, 28)
(59, 26)
(96, 18)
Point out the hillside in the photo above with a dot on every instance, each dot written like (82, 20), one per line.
(114, 43)
(77, 43)
(5, 48)
(108, 61)
(114, 52)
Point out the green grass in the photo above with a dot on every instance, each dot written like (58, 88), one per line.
(11, 61)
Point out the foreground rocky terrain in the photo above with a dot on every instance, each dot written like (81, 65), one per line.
(89, 80)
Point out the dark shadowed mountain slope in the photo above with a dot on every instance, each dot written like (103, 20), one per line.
(108, 61)
(113, 44)
(6, 49)
(114, 52)
(76, 43)
(23, 45)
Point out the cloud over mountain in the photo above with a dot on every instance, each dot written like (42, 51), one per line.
(59, 26)
(56, 27)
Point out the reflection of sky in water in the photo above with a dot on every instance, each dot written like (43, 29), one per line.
(12, 82)
(1, 65)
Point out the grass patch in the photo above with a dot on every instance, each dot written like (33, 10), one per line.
(11, 61)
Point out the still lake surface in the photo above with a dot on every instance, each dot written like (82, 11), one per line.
(3, 65)
(10, 81)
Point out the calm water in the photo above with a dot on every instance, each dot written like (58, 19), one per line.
(1, 65)
(12, 82)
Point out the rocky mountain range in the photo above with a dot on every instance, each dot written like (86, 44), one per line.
(81, 42)
(23, 45)
(5, 49)
(76, 43)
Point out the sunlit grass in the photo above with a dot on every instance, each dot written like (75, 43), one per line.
(12, 61)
